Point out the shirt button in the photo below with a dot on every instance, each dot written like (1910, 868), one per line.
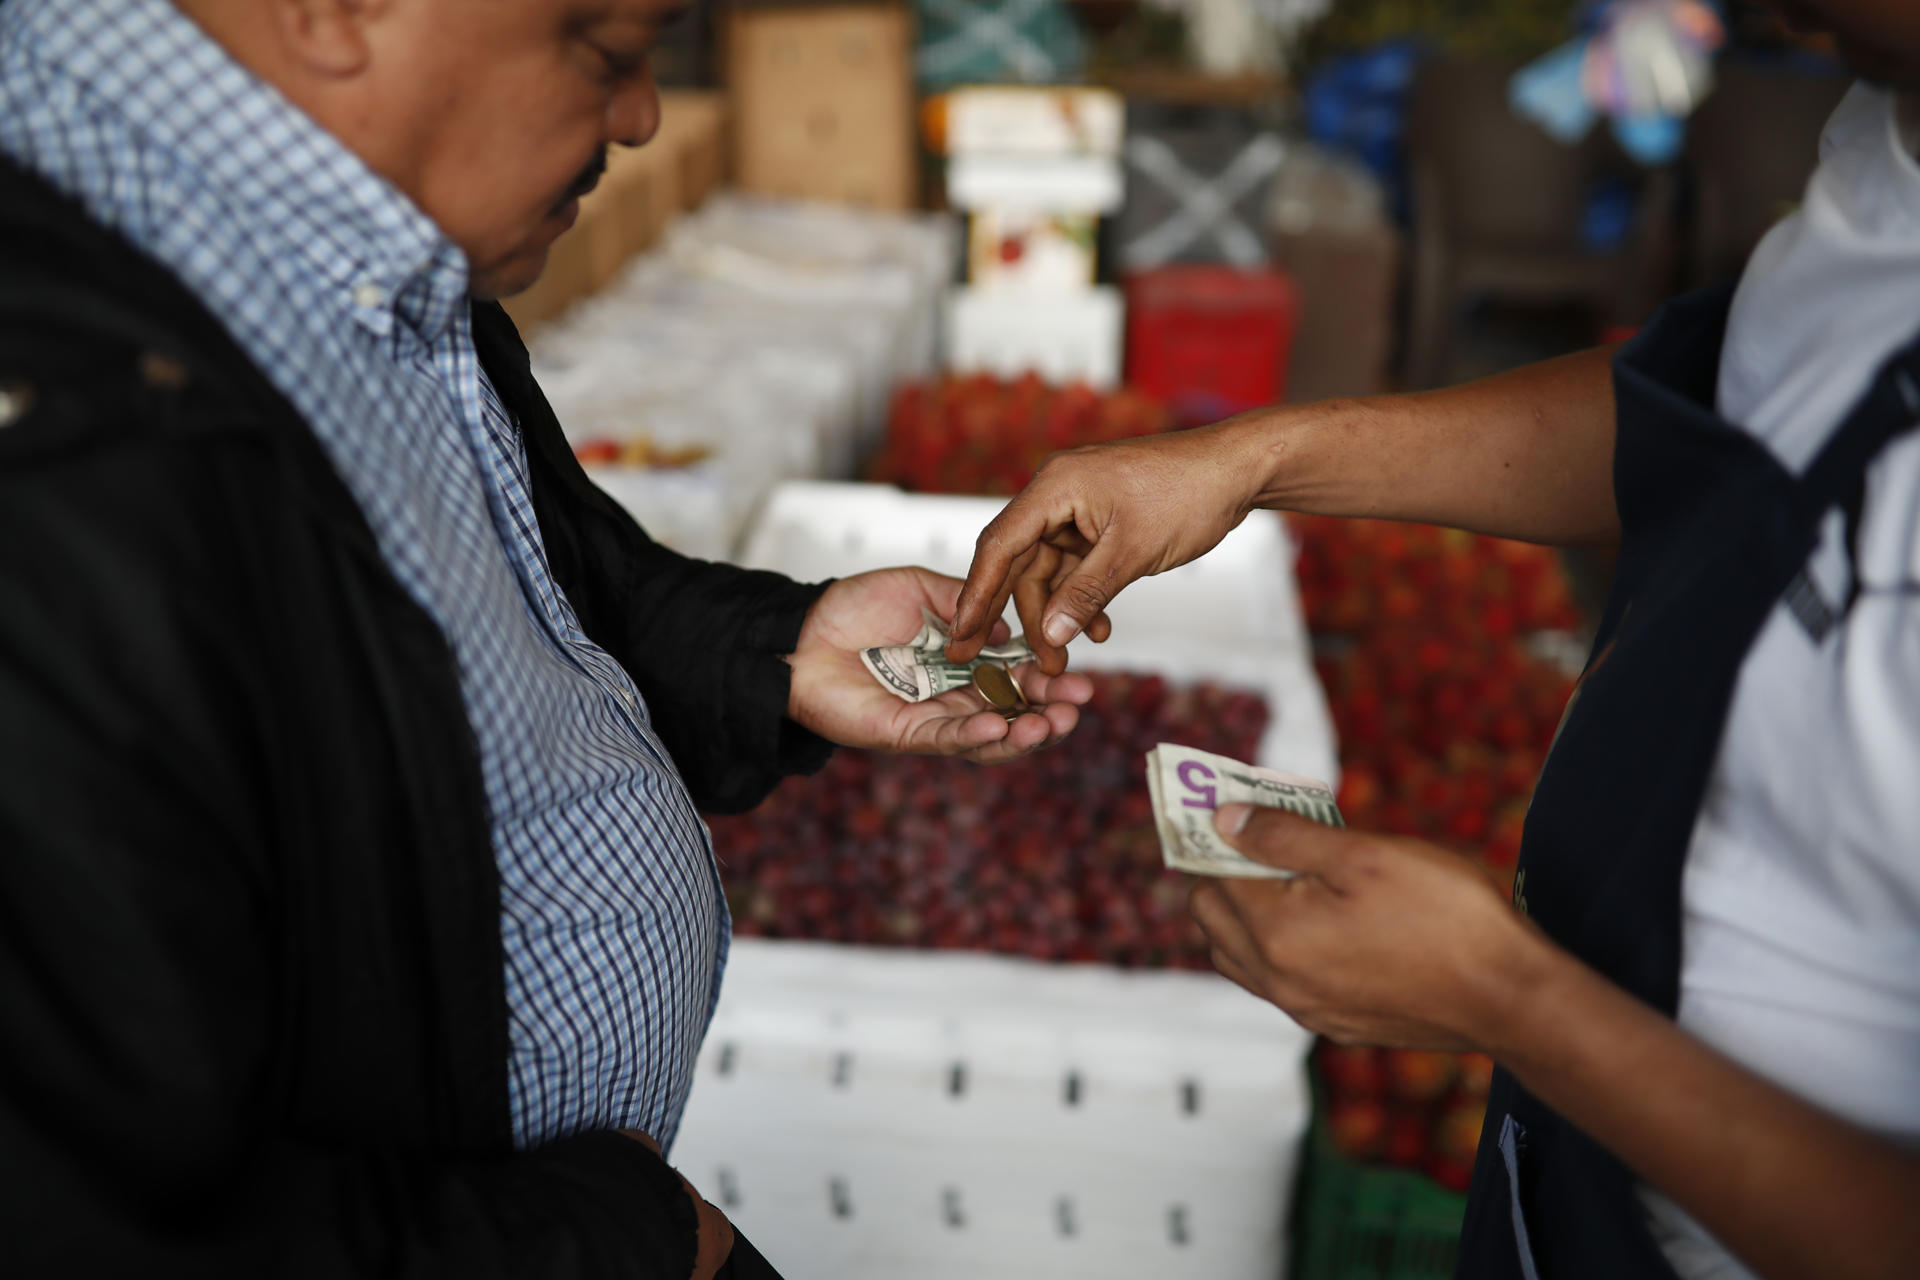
(369, 295)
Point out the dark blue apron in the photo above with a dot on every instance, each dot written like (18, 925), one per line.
(1715, 532)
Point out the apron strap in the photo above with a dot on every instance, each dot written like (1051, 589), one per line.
(1890, 408)
(1838, 474)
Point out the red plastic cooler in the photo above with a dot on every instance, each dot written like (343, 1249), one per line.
(1210, 341)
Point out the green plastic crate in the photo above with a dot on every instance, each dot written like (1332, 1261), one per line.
(1357, 1222)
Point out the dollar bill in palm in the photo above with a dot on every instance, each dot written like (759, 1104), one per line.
(920, 669)
(1186, 787)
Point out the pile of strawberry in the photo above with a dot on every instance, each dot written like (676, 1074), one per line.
(1054, 858)
(1406, 1108)
(981, 434)
(1427, 642)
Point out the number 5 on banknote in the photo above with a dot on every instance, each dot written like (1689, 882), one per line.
(1208, 793)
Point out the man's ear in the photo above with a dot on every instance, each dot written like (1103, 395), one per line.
(328, 37)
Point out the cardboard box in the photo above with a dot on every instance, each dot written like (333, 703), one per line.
(693, 125)
(823, 103)
(1348, 281)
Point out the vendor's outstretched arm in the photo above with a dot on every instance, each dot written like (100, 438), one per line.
(1526, 454)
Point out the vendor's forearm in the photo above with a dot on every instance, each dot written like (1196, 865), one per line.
(1794, 1191)
(1525, 454)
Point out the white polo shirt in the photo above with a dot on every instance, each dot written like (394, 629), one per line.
(1801, 896)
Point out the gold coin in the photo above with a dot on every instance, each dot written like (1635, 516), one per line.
(998, 688)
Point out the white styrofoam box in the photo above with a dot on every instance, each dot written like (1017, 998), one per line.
(1067, 337)
(864, 1113)
(1059, 184)
(814, 312)
(1239, 595)
(794, 245)
(1034, 120)
(658, 298)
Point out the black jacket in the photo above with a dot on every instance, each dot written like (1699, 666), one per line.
(252, 1018)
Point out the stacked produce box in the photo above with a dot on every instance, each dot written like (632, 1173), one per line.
(758, 343)
(1034, 171)
(1210, 322)
(822, 101)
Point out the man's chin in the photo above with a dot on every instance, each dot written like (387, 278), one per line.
(509, 276)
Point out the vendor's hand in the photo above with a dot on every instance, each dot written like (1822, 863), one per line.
(1094, 520)
(1378, 940)
(714, 1231)
(834, 695)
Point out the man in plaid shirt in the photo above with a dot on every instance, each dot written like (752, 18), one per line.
(359, 914)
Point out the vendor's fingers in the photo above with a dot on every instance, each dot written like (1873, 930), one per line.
(1068, 540)
(1219, 919)
(1008, 536)
(1238, 912)
(1277, 838)
(1083, 592)
(943, 596)
(964, 647)
(1030, 593)
(1228, 966)
(1227, 934)
(1023, 568)
(1100, 630)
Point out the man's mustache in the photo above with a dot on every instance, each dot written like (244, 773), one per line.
(589, 178)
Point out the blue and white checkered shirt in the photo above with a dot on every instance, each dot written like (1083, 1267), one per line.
(355, 305)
